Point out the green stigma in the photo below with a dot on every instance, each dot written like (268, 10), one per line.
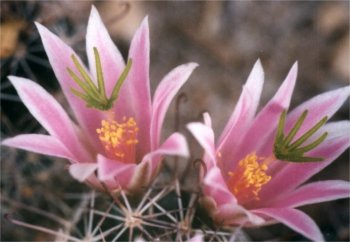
(288, 150)
(95, 96)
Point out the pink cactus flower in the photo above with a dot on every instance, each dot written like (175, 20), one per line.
(245, 184)
(115, 148)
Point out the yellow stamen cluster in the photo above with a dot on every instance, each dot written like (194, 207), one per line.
(119, 139)
(248, 178)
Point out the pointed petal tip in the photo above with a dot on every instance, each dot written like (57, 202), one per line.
(18, 82)
(47, 37)
(13, 79)
(41, 29)
(292, 77)
(256, 76)
(38, 25)
(144, 26)
(45, 34)
(11, 76)
(94, 18)
(193, 64)
(295, 67)
(94, 13)
(347, 90)
(6, 142)
(258, 66)
(10, 142)
(93, 9)
(190, 66)
(341, 93)
(145, 21)
(294, 73)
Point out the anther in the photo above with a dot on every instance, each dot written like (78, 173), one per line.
(248, 178)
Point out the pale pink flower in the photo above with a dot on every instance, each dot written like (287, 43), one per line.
(244, 184)
(133, 157)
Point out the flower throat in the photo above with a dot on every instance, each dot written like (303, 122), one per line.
(248, 178)
(119, 139)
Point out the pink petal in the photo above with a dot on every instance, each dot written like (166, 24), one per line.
(164, 93)
(111, 59)
(234, 214)
(269, 116)
(315, 192)
(325, 104)
(117, 171)
(242, 115)
(82, 171)
(176, 144)
(59, 55)
(205, 137)
(50, 115)
(294, 219)
(108, 168)
(139, 85)
(42, 144)
(318, 107)
(290, 175)
(215, 187)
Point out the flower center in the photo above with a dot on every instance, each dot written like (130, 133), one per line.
(249, 177)
(119, 139)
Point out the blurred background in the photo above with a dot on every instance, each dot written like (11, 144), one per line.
(224, 38)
